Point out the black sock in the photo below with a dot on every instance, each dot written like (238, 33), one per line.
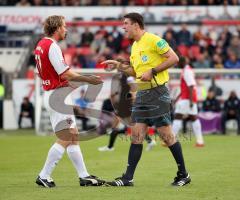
(134, 156)
(148, 138)
(112, 139)
(176, 150)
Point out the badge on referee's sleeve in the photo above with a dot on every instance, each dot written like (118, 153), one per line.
(162, 44)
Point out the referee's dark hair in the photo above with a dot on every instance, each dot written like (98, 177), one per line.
(135, 18)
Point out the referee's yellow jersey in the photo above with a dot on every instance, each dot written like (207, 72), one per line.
(146, 54)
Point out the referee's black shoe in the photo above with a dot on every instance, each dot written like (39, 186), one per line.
(120, 181)
(181, 179)
(48, 183)
(91, 181)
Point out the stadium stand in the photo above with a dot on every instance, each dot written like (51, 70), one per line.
(208, 40)
(11, 58)
(116, 2)
(213, 47)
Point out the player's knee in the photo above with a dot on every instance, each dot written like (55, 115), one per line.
(68, 135)
(74, 142)
(73, 131)
(64, 143)
(137, 137)
(74, 135)
(64, 135)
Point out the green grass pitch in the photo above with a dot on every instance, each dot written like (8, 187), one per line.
(215, 170)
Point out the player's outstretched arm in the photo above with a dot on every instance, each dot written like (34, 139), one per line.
(113, 64)
(73, 76)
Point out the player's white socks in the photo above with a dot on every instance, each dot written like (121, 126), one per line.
(177, 125)
(197, 130)
(76, 157)
(54, 155)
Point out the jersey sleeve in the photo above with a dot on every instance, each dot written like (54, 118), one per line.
(161, 45)
(56, 59)
(189, 78)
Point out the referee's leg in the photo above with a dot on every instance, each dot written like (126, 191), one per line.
(168, 137)
(138, 134)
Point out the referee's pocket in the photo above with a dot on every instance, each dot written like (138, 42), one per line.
(163, 94)
(165, 97)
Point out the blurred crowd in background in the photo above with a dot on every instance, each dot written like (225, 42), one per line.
(116, 2)
(213, 48)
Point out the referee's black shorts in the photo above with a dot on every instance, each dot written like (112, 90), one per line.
(152, 107)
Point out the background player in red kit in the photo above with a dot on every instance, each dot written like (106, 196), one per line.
(187, 104)
(55, 75)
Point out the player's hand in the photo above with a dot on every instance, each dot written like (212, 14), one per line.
(111, 64)
(95, 80)
(147, 76)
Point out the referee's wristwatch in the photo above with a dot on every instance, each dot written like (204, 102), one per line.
(154, 72)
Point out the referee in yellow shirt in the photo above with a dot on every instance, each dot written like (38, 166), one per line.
(150, 58)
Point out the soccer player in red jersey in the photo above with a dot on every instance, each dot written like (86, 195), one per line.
(187, 103)
(55, 75)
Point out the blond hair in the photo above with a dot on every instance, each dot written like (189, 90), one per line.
(52, 23)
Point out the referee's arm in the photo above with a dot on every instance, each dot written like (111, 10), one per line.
(128, 69)
(171, 59)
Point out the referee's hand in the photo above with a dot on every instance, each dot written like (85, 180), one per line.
(111, 64)
(147, 76)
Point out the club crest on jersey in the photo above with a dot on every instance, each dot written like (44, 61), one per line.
(69, 121)
(144, 58)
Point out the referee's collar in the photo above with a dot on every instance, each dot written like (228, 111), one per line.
(142, 36)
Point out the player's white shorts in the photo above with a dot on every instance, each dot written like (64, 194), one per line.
(183, 107)
(61, 113)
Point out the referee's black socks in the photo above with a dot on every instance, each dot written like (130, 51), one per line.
(176, 150)
(134, 156)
